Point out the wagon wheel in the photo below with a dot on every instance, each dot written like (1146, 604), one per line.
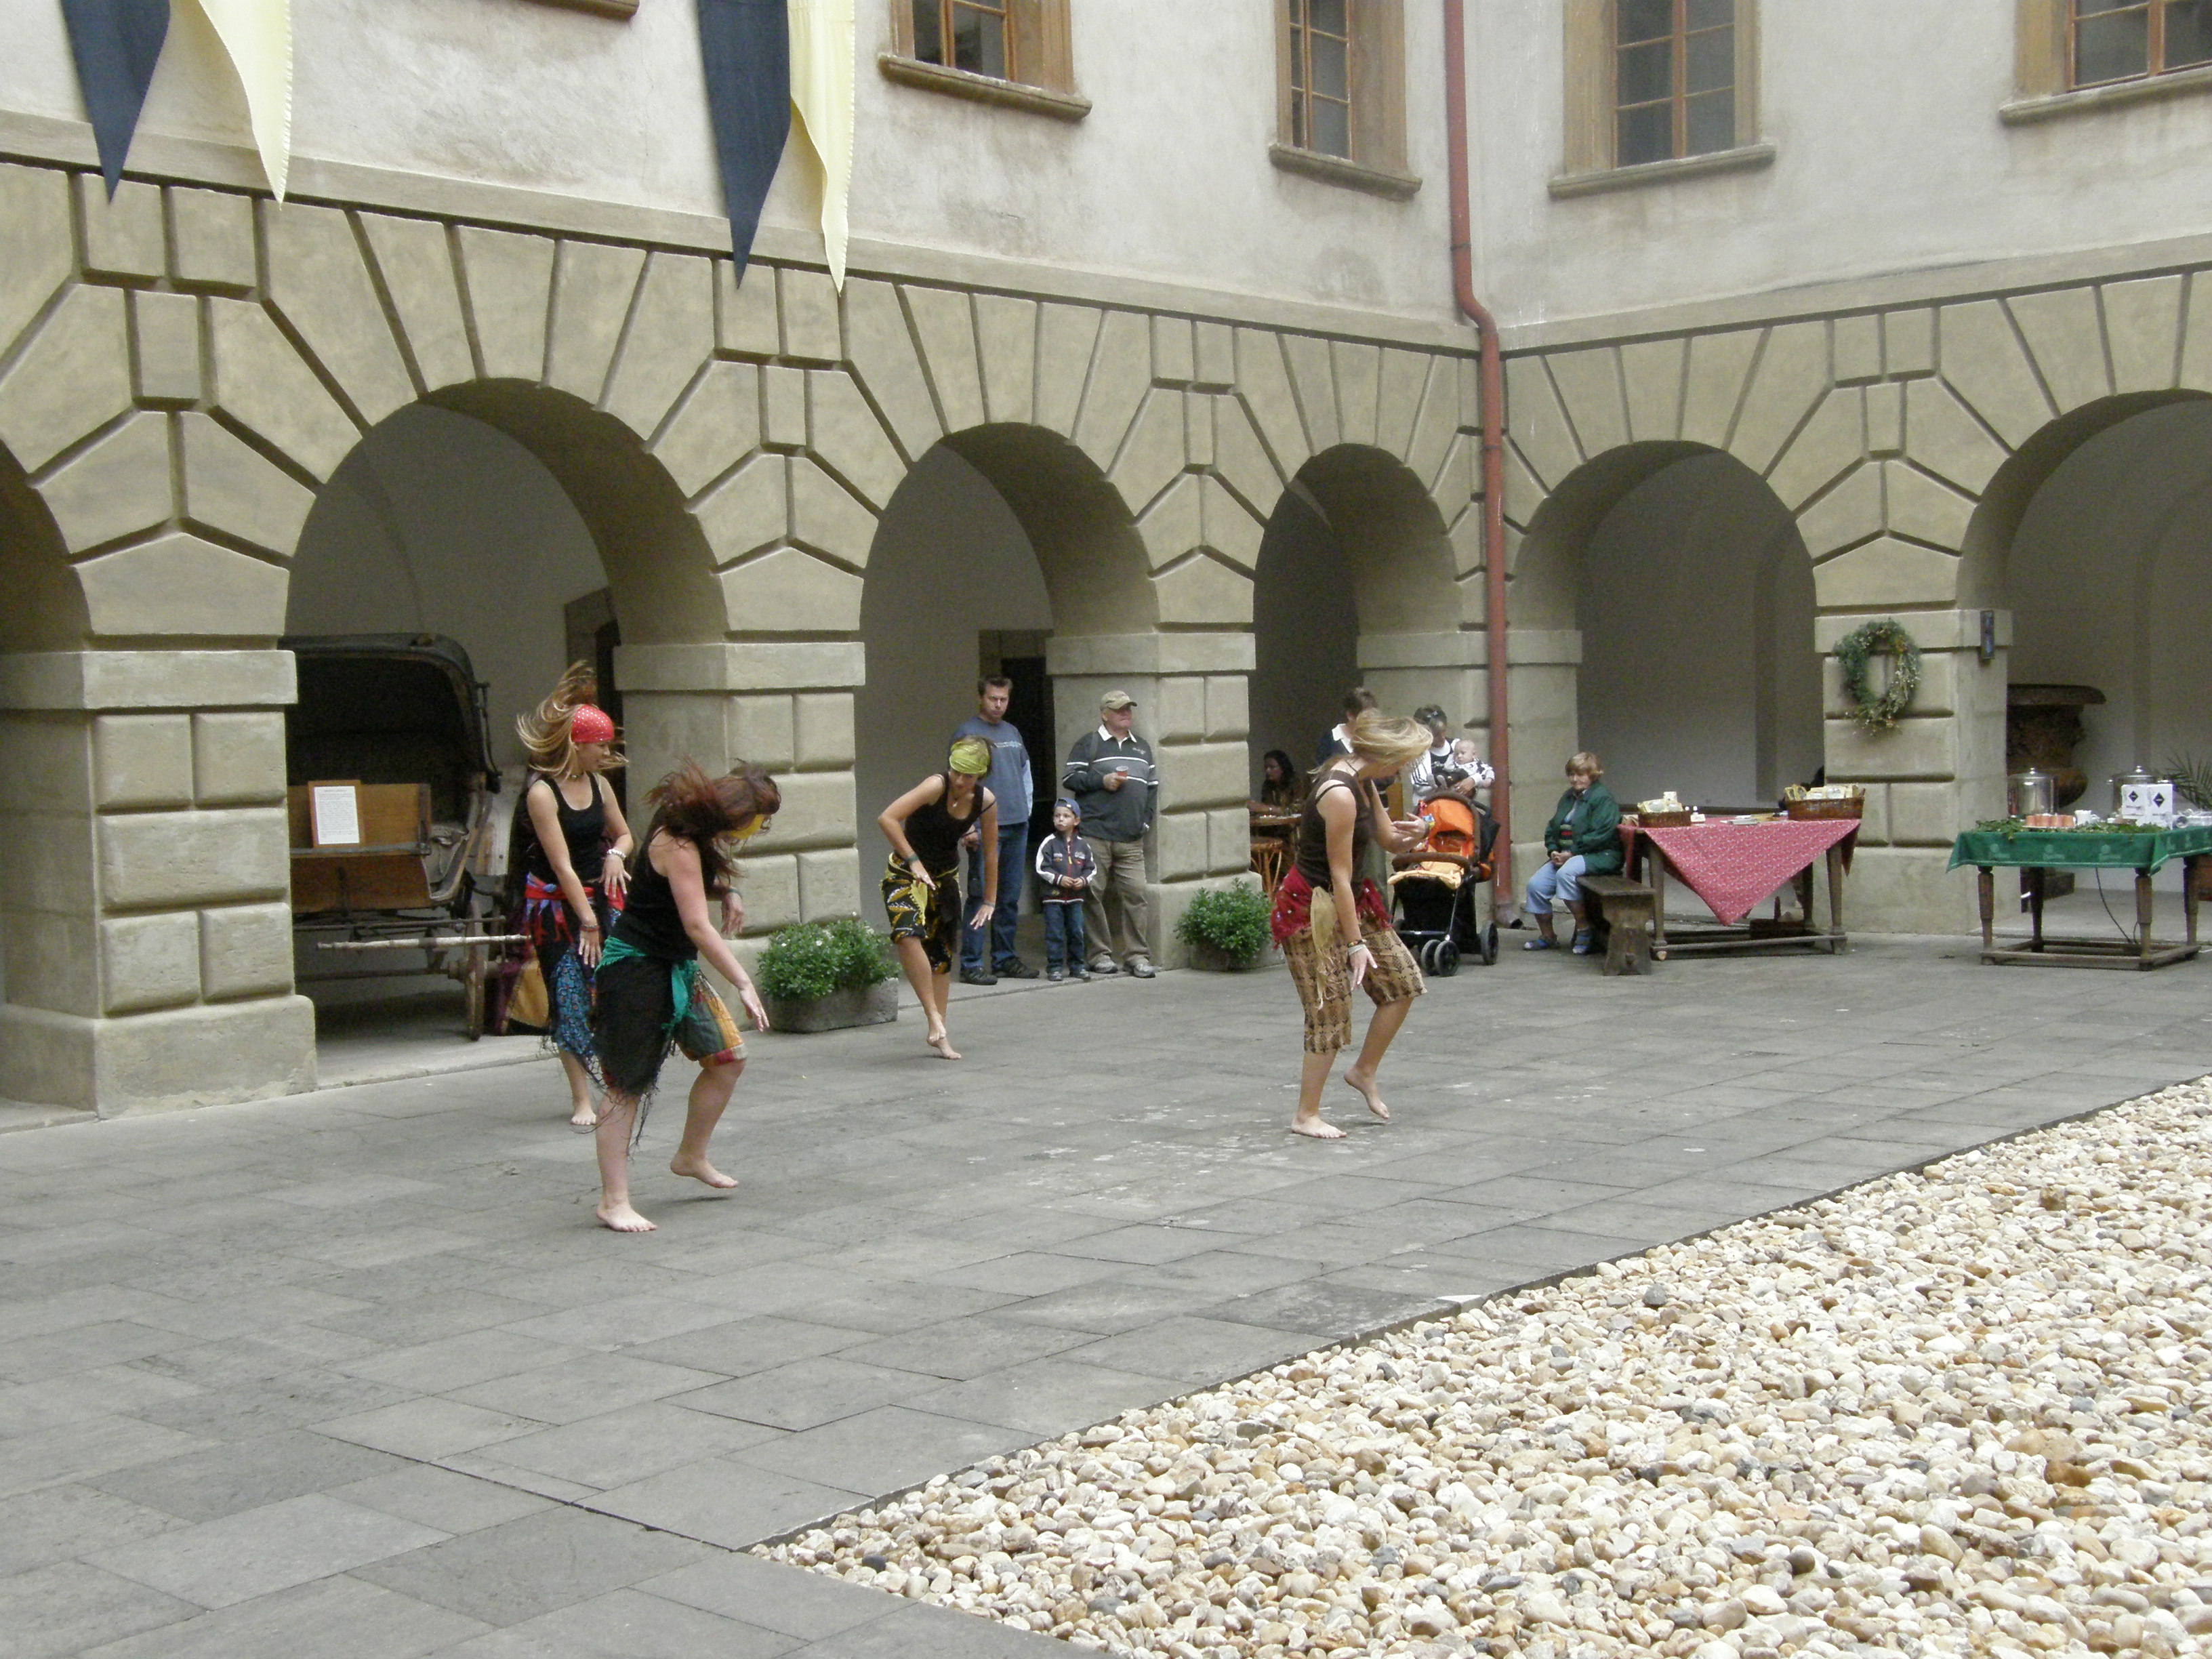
(475, 970)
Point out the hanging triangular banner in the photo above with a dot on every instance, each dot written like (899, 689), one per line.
(744, 46)
(822, 45)
(257, 35)
(116, 44)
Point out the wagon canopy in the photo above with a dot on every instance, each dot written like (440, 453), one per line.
(391, 708)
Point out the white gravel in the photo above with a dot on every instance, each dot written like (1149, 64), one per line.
(1965, 1411)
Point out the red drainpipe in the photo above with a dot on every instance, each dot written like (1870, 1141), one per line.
(1494, 437)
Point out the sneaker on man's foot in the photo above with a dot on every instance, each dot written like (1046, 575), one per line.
(1079, 972)
(1055, 974)
(1104, 967)
(977, 976)
(1141, 968)
(1015, 969)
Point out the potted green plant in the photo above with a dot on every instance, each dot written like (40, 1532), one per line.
(825, 975)
(1226, 928)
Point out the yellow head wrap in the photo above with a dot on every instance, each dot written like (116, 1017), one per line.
(971, 755)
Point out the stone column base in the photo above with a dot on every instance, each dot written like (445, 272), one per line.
(205, 1055)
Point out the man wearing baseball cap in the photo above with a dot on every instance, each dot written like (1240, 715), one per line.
(1111, 778)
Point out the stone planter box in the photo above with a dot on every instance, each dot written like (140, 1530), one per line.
(877, 1005)
(1215, 960)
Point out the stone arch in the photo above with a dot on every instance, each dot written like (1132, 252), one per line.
(46, 608)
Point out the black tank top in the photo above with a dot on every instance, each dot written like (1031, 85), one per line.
(583, 828)
(934, 834)
(1312, 859)
(649, 918)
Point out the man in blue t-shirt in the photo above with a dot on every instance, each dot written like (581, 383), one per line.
(1009, 784)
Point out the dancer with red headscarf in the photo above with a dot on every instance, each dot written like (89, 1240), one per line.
(575, 865)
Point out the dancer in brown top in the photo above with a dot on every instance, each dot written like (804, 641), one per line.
(922, 883)
(1335, 933)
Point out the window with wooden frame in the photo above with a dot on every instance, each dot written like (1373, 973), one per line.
(2112, 40)
(1659, 86)
(1340, 93)
(1016, 52)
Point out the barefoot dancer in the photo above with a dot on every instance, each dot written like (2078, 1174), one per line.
(565, 909)
(651, 997)
(922, 883)
(1337, 934)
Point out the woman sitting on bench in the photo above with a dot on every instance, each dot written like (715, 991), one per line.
(1582, 839)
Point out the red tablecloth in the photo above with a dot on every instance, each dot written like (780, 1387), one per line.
(1732, 866)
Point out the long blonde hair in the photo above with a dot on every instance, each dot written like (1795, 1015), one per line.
(548, 731)
(1390, 738)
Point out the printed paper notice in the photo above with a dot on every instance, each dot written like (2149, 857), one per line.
(337, 809)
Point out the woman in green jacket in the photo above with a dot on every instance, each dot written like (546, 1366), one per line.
(1582, 839)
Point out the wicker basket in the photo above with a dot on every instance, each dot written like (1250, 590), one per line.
(1663, 820)
(1852, 808)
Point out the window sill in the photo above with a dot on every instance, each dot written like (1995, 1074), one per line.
(1336, 170)
(1744, 158)
(2026, 111)
(983, 89)
(624, 9)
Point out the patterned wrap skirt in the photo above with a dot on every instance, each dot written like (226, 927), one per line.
(1313, 947)
(931, 915)
(551, 926)
(649, 1005)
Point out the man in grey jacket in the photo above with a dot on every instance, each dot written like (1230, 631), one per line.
(1113, 783)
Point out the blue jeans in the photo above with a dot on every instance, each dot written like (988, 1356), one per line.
(1013, 870)
(1559, 881)
(1063, 935)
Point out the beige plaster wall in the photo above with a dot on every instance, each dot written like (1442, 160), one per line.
(1889, 156)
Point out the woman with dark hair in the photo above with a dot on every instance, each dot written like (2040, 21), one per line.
(651, 997)
(1335, 929)
(922, 883)
(575, 864)
(1282, 789)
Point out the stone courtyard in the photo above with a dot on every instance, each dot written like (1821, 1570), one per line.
(353, 1373)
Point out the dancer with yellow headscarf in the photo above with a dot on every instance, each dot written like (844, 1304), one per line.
(922, 883)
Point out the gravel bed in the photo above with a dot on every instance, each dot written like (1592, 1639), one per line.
(1963, 1411)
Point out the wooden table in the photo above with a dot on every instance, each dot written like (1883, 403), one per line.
(1688, 841)
(2035, 853)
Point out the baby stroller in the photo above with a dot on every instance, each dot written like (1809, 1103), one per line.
(1434, 890)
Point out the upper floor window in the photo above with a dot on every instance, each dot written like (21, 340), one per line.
(1341, 92)
(1674, 80)
(1003, 51)
(2110, 41)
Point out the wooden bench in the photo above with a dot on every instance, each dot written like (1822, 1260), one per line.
(1627, 910)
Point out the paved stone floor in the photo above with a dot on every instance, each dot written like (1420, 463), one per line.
(355, 1375)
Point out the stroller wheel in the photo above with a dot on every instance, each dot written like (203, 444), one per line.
(1447, 959)
(1490, 946)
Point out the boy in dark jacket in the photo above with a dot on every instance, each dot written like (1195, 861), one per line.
(1065, 867)
(1582, 839)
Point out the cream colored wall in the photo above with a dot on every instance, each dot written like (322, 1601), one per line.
(948, 563)
(1167, 177)
(439, 524)
(2110, 585)
(1890, 156)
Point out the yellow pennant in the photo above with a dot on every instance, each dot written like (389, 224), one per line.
(822, 52)
(257, 35)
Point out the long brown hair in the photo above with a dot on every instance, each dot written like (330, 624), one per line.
(701, 810)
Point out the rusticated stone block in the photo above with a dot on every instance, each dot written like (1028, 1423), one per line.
(788, 592)
(1538, 424)
(1925, 509)
(1885, 417)
(1849, 514)
(748, 511)
(246, 951)
(830, 883)
(2142, 326)
(845, 435)
(1005, 339)
(1712, 386)
(2060, 329)
(74, 378)
(1240, 459)
(672, 333)
(1939, 678)
(824, 729)
(762, 730)
(1228, 841)
(1228, 706)
(1204, 592)
(200, 1055)
(231, 487)
(415, 260)
(167, 326)
(1884, 575)
(1066, 337)
(1174, 524)
(49, 866)
(1204, 775)
(1154, 451)
(783, 406)
(149, 860)
(1179, 847)
(263, 382)
(718, 425)
(238, 759)
(1924, 749)
(1984, 363)
(947, 329)
(810, 332)
(1943, 437)
(1228, 528)
(39, 250)
(1858, 349)
(49, 757)
(1908, 342)
(592, 283)
(1828, 444)
(1926, 814)
(1217, 357)
(827, 519)
(745, 310)
(508, 280)
(215, 239)
(883, 356)
(319, 279)
(1437, 426)
(1197, 428)
(1791, 376)
(1651, 371)
(1175, 353)
(816, 812)
(180, 585)
(1398, 400)
(1179, 710)
(116, 488)
(769, 881)
(1313, 378)
(1589, 386)
(123, 237)
(142, 760)
(51, 962)
(1358, 370)
(1119, 379)
(149, 962)
(1264, 381)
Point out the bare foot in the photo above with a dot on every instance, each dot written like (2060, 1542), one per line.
(699, 1170)
(1319, 1128)
(1366, 1088)
(581, 1116)
(943, 1043)
(622, 1218)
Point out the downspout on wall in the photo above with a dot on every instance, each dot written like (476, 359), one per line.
(1493, 440)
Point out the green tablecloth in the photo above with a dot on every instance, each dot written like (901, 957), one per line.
(2079, 849)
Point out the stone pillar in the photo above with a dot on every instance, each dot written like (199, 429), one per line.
(147, 920)
(1543, 684)
(785, 705)
(1941, 771)
(1192, 692)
